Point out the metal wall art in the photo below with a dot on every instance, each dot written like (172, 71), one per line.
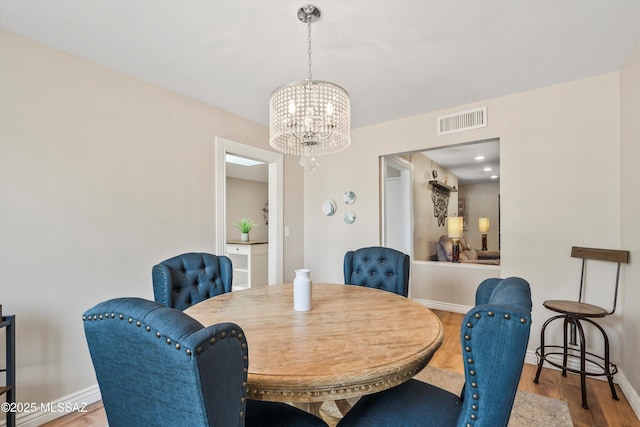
(350, 217)
(328, 207)
(349, 197)
(440, 199)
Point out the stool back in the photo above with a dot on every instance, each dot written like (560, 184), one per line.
(610, 255)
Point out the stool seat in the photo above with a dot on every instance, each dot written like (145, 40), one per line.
(575, 308)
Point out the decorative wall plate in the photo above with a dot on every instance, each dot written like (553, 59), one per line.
(350, 217)
(328, 207)
(349, 197)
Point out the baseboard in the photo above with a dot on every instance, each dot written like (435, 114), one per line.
(632, 395)
(444, 306)
(75, 402)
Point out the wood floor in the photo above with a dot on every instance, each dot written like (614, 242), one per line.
(603, 410)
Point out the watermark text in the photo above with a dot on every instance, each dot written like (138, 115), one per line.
(30, 407)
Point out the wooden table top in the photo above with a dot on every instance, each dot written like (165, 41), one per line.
(354, 341)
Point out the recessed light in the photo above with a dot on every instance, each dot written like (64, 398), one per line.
(494, 177)
(479, 157)
(487, 169)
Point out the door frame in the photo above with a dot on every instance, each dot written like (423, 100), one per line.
(275, 163)
(406, 173)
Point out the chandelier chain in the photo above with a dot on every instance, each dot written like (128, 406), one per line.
(309, 48)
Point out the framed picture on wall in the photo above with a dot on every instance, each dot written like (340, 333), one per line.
(463, 211)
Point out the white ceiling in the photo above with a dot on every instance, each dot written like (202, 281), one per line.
(396, 58)
(259, 173)
(461, 161)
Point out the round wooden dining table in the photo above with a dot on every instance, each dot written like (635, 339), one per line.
(354, 340)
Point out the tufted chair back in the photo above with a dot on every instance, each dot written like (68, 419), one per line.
(494, 336)
(159, 367)
(378, 267)
(187, 279)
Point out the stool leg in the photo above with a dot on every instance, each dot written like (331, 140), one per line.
(565, 347)
(583, 364)
(607, 369)
(607, 363)
(541, 361)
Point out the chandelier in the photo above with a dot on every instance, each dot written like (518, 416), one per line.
(310, 118)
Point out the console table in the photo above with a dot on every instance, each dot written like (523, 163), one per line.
(250, 263)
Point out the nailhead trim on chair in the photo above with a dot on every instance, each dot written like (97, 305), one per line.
(164, 278)
(468, 349)
(178, 346)
(188, 351)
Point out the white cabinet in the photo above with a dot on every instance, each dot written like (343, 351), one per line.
(250, 263)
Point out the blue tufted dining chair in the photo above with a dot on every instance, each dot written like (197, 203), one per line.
(378, 267)
(494, 337)
(187, 279)
(156, 366)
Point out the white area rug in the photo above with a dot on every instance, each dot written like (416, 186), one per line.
(529, 410)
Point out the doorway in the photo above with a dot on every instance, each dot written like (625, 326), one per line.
(397, 204)
(275, 226)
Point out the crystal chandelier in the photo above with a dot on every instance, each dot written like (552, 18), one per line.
(310, 118)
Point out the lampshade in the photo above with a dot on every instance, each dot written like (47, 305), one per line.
(483, 224)
(309, 118)
(455, 227)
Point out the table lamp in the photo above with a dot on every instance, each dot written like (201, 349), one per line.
(483, 226)
(455, 233)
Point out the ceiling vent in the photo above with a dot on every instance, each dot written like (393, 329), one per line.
(464, 120)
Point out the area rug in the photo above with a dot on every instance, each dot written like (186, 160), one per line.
(529, 410)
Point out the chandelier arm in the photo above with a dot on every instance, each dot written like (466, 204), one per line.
(307, 135)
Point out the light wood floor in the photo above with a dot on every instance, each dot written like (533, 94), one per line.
(603, 410)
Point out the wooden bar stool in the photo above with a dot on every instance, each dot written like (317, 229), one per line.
(573, 313)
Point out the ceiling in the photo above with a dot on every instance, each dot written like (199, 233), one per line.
(259, 173)
(396, 58)
(461, 160)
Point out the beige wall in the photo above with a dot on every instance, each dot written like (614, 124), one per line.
(426, 230)
(101, 177)
(630, 212)
(482, 201)
(554, 142)
(246, 199)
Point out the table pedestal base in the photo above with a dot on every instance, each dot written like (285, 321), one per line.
(310, 407)
(343, 406)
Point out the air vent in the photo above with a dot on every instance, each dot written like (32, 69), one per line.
(464, 120)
